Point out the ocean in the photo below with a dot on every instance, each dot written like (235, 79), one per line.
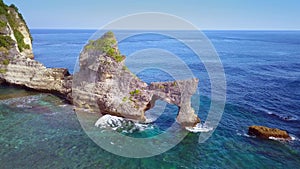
(262, 69)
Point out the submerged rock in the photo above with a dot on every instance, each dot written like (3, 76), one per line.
(266, 132)
(104, 84)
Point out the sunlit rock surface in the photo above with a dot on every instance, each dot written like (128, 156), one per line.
(103, 84)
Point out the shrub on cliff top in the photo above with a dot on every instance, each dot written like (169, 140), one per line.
(106, 45)
(14, 6)
(109, 34)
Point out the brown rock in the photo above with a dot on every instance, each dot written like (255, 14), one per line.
(266, 132)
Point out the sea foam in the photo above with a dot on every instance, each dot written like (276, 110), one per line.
(199, 128)
(121, 124)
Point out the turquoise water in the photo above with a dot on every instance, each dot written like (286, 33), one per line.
(262, 71)
(47, 134)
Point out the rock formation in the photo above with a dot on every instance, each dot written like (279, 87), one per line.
(104, 84)
(265, 132)
(17, 66)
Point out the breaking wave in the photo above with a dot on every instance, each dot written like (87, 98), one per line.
(199, 128)
(121, 124)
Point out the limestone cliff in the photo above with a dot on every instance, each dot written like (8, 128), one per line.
(14, 33)
(103, 84)
(17, 66)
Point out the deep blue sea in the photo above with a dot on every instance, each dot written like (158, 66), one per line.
(262, 70)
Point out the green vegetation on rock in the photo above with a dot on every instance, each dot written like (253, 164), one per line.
(2, 8)
(119, 58)
(3, 24)
(18, 35)
(14, 23)
(20, 40)
(135, 92)
(124, 99)
(2, 71)
(109, 34)
(22, 19)
(106, 44)
(125, 68)
(3, 50)
(5, 62)
(161, 86)
(6, 42)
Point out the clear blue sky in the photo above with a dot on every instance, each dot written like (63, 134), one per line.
(205, 14)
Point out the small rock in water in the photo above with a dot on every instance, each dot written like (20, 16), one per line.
(268, 133)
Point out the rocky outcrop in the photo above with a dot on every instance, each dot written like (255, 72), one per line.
(34, 75)
(265, 132)
(17, 66)
(104, 84)
(31, 74)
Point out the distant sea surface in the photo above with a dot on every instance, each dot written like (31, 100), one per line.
(263, 88)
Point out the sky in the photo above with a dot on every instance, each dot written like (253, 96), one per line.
(204, 14)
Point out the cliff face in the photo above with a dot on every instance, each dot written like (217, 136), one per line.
(16, 57)
(14, 33)
(104, 84)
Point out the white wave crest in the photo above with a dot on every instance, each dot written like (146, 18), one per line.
(199, 128)
(120, 124)
(277, 139)
(106, 120)
(293, 138)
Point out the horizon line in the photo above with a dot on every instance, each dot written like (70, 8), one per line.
(36, 28)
